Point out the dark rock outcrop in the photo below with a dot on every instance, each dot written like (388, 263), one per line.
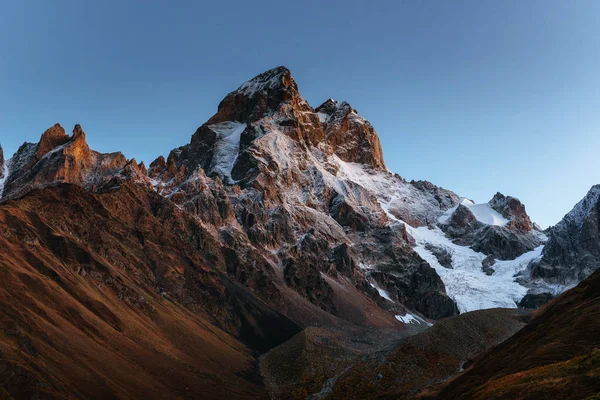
(534, 301)
(2, 169)
(512, 209)
(441, 254)
(425, 204)
(573, 249)
(462, 225)
(502, 241)
(487, 263)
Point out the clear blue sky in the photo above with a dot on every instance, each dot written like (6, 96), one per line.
(476, 96)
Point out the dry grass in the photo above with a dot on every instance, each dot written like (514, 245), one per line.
(578, 378)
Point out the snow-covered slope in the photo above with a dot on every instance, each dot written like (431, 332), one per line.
(4, 176)
(577, 216)
(409, 318)
(398, 198)
(226, 148)
(483, 212)
(465, 281)
(573, 251)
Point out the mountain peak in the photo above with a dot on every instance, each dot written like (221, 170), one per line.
(260, 96)
(272, 79)
(271, 103)
(50, 139)
(512, 209)
(78, 132)
(351, 136)
(57, 158)
(573, 251)
(332, 106)
(580, 212)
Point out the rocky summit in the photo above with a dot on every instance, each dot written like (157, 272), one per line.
(277, 233)
(573, 250)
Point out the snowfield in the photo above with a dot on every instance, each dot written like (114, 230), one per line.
(466, 282)
(395, 195)
(409, 318)
(483, 212)
(227, 147)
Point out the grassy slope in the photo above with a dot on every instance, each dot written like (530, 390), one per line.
(557, 338)
(576, 378)
(101, 299)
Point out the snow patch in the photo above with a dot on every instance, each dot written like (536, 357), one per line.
(56, 150)
(362, 265)
(482, 212)
(227, 147)
(262, 82)
(4, 177)
(409, 318)
(381, 292)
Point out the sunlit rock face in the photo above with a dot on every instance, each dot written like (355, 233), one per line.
(59, 158)
(301, 182)
(302, 200)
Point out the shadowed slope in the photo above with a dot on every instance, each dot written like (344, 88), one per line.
(558, 344)
(379, 364)
(109, 301)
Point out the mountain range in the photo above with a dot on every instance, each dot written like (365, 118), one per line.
(275, 255)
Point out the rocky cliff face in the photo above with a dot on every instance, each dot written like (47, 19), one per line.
(512, 209)
(295, 195)
(3, 171)
(276, 217)
(59, 158)
(304, 205)
(573, 250)
(291, 180)
(500, 229)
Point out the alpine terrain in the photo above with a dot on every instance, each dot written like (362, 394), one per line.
(276, 256)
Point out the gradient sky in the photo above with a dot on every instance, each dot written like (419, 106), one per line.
(475, 96)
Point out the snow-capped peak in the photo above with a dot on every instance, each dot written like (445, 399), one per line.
(268, 80)
(483, 212)
(581, 210)
(337, 109)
